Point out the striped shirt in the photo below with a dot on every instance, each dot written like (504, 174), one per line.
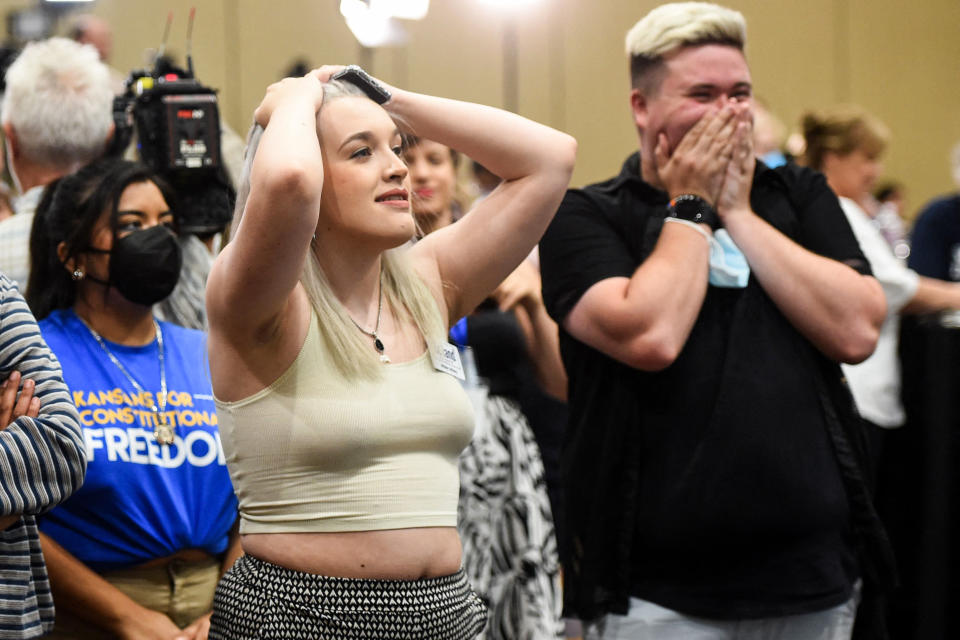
(42, 461)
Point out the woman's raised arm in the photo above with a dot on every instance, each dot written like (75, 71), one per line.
(261, 266)
(535, 163)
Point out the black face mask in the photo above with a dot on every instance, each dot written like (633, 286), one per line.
(145, 265)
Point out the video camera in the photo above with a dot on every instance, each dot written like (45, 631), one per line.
(177, 125)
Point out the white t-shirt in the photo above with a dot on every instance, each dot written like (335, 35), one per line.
(875, 382)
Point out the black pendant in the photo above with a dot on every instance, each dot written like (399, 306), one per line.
(378, 345)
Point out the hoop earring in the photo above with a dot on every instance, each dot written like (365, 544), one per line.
(78, 274)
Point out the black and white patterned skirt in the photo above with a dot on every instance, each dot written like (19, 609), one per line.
(257, 600)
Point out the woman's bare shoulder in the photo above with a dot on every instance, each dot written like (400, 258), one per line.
(243, 363)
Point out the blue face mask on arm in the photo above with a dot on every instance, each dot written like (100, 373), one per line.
(728, 266)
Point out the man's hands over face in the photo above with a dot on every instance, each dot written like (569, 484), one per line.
(734, 197)
(714, 159)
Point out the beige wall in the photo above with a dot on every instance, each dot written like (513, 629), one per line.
(803, 53)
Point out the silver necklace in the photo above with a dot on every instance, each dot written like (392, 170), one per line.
(162, 430)
(375, 334)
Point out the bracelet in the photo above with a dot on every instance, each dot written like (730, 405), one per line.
(693, 225)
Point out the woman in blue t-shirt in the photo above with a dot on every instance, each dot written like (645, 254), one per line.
(138, 550)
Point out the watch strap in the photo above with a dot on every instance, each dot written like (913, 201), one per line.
(365, 82)
(693, 208)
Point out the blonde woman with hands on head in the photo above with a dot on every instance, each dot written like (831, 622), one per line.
(340, 413)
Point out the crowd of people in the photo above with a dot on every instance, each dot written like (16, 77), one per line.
(388, 409)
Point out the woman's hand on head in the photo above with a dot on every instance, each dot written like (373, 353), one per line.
(309, 88)
(325, 72)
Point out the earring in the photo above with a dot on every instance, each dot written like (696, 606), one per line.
(78, 274)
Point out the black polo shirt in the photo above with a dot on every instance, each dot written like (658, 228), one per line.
(711, 487)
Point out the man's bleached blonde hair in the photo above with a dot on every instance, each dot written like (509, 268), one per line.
(673, 26)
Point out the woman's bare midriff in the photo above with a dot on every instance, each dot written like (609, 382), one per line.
(393, 554)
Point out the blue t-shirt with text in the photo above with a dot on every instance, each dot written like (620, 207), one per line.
(141, 500)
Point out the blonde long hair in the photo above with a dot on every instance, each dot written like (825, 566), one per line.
(403, 288)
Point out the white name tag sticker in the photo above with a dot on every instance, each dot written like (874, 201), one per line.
(446, 358)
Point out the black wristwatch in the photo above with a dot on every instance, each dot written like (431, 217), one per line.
(361, 79)
(695, 209)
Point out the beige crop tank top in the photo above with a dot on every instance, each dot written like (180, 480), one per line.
(316, 453)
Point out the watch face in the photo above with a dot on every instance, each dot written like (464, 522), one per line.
(694, 209)
(688, 208)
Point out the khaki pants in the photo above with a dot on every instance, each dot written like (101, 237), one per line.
(181, 590)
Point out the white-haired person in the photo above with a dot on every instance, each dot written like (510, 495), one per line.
(712, 462)
(56, 117)
(341, 415)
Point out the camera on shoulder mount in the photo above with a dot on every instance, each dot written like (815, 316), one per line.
(177, 125)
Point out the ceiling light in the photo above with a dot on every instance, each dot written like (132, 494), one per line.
(402, 9)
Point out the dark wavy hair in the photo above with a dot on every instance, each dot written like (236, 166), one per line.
(69, 209)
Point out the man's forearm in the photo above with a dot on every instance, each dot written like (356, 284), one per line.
(645, 320)
(47, 460)
(836, 308)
